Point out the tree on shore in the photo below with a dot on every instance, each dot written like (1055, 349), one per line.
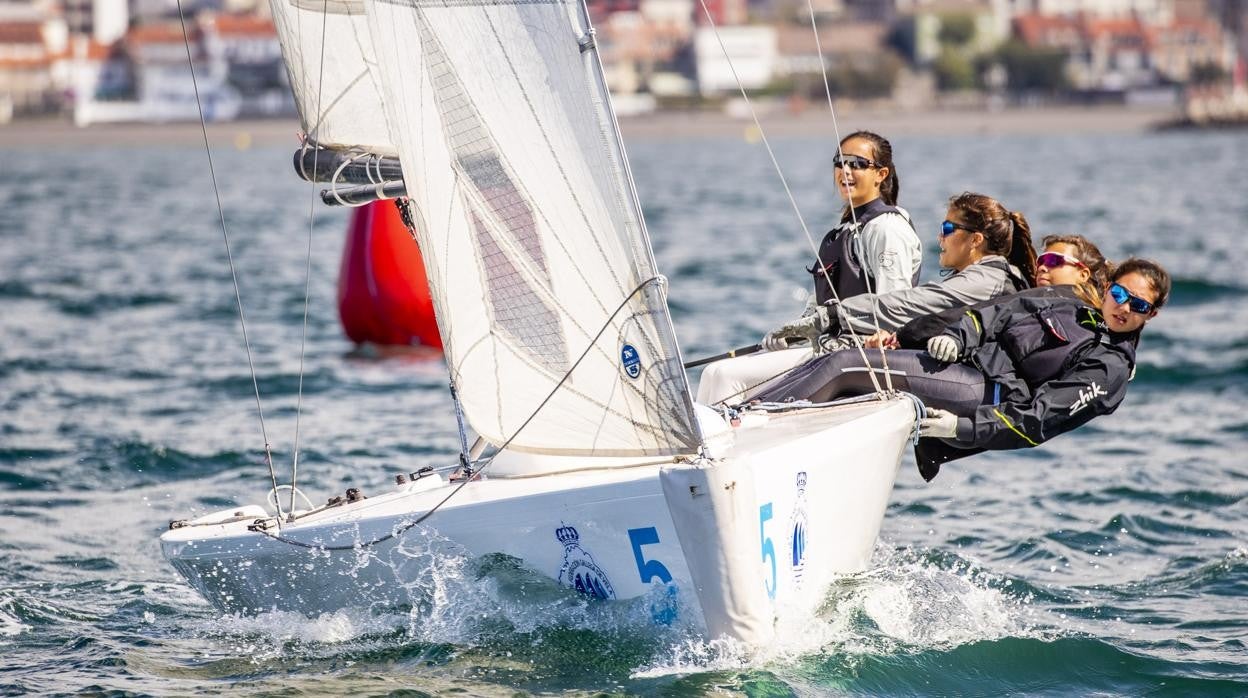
(1033, 69)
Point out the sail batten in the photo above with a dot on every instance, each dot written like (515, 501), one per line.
(544, 283)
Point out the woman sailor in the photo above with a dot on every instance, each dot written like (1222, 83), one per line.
(1009, 374)
(873, 249)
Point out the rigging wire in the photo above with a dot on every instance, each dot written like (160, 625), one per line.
(238, 297)
(409, 525)
(788, 191)
(307, 272)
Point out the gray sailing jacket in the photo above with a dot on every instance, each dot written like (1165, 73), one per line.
(988, 278)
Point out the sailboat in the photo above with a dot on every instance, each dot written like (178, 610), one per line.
(592, 464)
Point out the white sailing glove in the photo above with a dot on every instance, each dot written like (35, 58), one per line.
(939, 424)
(807, 327)
(772, 341)
(944, 348)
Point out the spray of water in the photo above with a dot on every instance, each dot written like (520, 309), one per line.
(906, 603)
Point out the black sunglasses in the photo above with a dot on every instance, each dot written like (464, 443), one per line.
(853, 162)
(948, 228)
(1137, 304)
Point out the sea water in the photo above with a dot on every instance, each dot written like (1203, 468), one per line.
(1112, 560)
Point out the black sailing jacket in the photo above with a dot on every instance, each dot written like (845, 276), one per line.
(1055, 366)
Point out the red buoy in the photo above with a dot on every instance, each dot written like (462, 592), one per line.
(383, 293)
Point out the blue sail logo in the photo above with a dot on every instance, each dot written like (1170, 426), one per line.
(630, 360)
(579, 570)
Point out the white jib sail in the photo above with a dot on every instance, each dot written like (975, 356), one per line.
(329, 59)
(537, 257)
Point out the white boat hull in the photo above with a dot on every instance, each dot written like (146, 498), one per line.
(754, 535)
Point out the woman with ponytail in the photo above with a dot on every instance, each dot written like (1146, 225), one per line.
(874, 249)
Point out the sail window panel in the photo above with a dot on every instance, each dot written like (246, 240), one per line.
(516, 308)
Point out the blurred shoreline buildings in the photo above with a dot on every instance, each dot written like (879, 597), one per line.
(126, 60)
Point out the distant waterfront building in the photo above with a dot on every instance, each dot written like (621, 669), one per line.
(751, 49)
(248, 46)
(26, 84)
(1186, 44)
(1127, 53)
(104, 21)
(162, 87)
(723, 12)
(33, 40)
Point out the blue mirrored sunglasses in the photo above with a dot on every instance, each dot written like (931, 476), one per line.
(948, 228)
(853, 162)
(1137, 304)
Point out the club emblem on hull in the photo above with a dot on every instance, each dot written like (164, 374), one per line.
(579, 570)
(797, 531)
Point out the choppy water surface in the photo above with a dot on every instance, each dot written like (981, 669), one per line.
(1113, 560)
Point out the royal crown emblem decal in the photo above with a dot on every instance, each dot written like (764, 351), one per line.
(579, 570)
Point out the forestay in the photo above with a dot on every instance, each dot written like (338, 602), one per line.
(329, 59)
(533, 240)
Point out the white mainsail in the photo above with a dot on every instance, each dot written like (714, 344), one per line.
(537, 256)
(329, 59)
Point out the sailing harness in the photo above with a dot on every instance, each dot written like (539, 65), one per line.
(838, 269)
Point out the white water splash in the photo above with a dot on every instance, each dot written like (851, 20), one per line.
(278, 627)
(903, 604)
(10, 626)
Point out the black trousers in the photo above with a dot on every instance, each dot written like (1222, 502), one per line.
(957, 387)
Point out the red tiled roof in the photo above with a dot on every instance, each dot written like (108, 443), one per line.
(21, 33)
(1046, 30)
(242, 25)
(170, 33)
(24, 63)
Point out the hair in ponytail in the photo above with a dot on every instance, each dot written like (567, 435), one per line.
(1021, 252)
(1005, 232)
(882, 156)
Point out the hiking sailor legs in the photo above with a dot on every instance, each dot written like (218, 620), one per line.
(1054, 366)
(1029, 368)
(730, 380)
